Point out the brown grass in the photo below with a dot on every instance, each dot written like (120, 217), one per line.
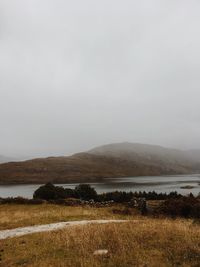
(12, 216)
(149, 242)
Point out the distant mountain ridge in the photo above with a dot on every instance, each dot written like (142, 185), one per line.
(151, 154)
(114, 160)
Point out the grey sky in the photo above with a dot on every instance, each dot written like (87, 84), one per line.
(77, 74)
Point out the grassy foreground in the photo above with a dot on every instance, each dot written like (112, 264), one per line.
(12, 216)
(147, 242)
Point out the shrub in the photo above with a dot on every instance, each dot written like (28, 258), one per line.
(85, 192)
(51, 192)
(36, 201)
(47, 192)
(121, 197)
(187, 207)
(70, 193)
(21, 200)
(117, 196)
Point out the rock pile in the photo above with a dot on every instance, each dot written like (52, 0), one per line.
(139, 203)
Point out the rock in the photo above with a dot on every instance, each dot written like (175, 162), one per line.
(134, 202)
(187, 187)
(100, 252)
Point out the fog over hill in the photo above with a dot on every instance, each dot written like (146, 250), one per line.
(148, 153)
(193, 154)
(114, 160)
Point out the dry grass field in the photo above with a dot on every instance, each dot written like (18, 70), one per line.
(147, 242)
(12, 216)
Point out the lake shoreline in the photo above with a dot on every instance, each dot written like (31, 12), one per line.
(159, 184)
(96, 180)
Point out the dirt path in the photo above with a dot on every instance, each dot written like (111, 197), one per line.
(50, 227)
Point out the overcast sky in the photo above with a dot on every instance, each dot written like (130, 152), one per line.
(77, 74)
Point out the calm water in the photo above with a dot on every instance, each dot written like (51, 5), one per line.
(149, 183)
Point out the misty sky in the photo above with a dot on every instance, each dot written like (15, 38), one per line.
(77, 74)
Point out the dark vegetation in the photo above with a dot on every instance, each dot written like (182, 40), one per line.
(21, 200)
(50, 192)
(86, 192)
(187, 207)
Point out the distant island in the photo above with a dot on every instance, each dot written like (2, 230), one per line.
(113, 160)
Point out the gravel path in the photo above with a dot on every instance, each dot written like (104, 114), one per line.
(50, 227)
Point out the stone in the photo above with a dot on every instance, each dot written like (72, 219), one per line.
(100, 252)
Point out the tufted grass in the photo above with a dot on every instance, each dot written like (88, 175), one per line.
(147, 242)
(12, 216)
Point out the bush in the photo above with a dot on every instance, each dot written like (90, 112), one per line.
(21, 200)
(51, 192)
(70, 193)
(46, 192)
(36, 201)
(187, 207)
(85, 192)
(117, 196)
(122, 197)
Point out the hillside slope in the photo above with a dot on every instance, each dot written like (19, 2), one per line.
(149, 154)
(94, 166)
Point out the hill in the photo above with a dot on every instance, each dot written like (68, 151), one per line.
(150, 154)
(116, 160)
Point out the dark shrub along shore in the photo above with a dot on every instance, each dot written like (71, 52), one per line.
(86, 192)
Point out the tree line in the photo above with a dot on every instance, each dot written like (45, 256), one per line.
(86, 192)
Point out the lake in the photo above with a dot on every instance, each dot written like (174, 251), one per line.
(147, 183)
